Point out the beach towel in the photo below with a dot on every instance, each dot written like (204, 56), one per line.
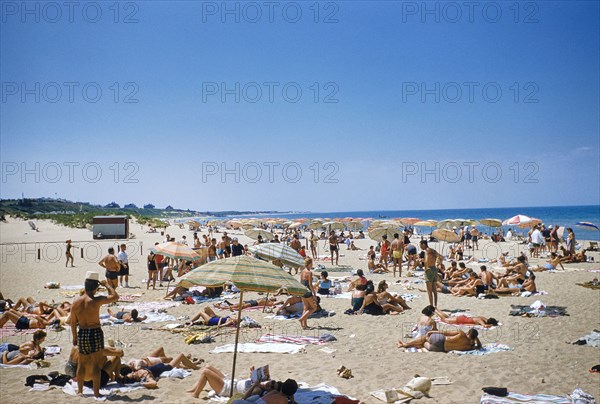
(154, 317)
(109, 390)
(52, 350)
(544, 311)
(9, 330)
(72, 287)
(486, 349)
(414, 350)
(299, 339)
(129, 298)
(318, 314)
(538, 293)
(319, 394)
(151, 306)
(578, 396)
(271, 347)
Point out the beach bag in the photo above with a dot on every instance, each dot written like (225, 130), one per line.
(496, 391)
(189, 300)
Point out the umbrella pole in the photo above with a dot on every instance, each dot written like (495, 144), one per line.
(266, 301)
(237, 337)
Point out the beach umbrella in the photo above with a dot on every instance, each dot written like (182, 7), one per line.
(446, 224)
(295, 225)
(516, 220)
(314, 225)
(425, 223)
(175, 251)
(378, 233)
(587, 225)
(254, 233)
(529, 224)
(247, 274)
(278, 251)
(491, 222)
(445, 235)
(407, 221)
(334, 225)
(354, 225)
(247, 226)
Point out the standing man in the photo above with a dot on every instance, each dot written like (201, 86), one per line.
(431, 256)
(124, 266)
(87, 333)
(313, 240)
(333, 247)
(397, 252)
(69, 255)
(227, 244)
(236, 248)
(111, 264)
(475, 237)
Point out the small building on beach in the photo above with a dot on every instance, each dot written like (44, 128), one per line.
(110, 227)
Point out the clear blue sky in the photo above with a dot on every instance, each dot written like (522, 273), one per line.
(381, 61)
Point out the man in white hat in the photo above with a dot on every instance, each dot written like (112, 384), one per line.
(87, 332)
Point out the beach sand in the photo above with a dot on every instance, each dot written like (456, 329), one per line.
(542, 360)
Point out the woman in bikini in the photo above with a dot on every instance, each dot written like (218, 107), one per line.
(383, 297)
(310, 305)
(159, 356)
(27, 352)
(445, 341)
(466, 320)
(425, 323)
(306, 276)
(210, 318)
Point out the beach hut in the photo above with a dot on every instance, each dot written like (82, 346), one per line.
(110, 227)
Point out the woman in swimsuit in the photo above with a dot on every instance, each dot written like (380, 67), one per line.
(324, 284)
(159, 356)
(310, 306)
(473, 287)
(292, 305)
(152, 271)
(372, 306)
(383, 297)
(466, 320)
(358, 297)
(27, 352)
(23, 323)
(425, 323)
(445, 341)
(210, 318)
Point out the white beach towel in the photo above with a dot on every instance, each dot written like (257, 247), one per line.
(272, 347)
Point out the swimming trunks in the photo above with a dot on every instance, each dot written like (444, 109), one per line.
(445, 289)
(322, 291)
(549, 266)
(436, 342)
(397, 254)
(431, 274)
(104, 379)
(124, 270)
(22, 323)
(90, 340)
(333, 247)
(357, 303)
(157, 369)
(479, 289)
(215, 320)
(112, 275)
(120, 315)
(252, 303)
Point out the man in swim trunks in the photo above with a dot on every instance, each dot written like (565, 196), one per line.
(445, 341)
(87, 332)
(69, 255)
(112, 266)
(127, 316)
(397, 247)
(431, 257)
(333, 247)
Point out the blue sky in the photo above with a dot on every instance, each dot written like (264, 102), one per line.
(386, 92)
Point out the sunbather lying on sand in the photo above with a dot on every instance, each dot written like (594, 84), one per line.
(466, 320)
(445, 341)
(211, 318)
(554, 262)
(26, 323)
(109, 370)
(159, 356)
(270, 302)
(512, 286)
(292, 305)
(127, 316)
(27, 352)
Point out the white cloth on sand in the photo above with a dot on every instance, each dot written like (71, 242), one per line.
(271, 347)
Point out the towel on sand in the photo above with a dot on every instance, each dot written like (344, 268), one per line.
(546, 311)
(298, 339)
(577, 396)
(271, 347)
(319, 394)
(9, 330)
(486, 349)
(592, 339)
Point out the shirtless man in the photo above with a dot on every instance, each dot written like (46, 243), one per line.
(445, 341)
(313, 239)
(112, 266)
(87, 333)
(295, 243)
(431, 257)
(486, 276)
(212, 250)
(227, 245)
(397, 247)
(333, 247)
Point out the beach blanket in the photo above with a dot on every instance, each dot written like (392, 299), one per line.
(577, 396)
(72, 287)
(546, 311)
(486, 349)
(298, 339)
(538, 293)
(592, 339)
(414, 350)
(590, 285)
(319, 394)
(318, 314)
(129, 298)
(109, 390)
(151, 306)
(271, 347)
(9, 330)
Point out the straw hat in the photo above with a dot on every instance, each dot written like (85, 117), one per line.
(92, 275)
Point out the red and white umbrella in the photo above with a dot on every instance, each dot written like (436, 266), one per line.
(519, 220)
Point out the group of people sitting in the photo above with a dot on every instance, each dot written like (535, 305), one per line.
(27, 314)
(367, 300)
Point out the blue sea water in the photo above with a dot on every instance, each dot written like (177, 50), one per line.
(566, 216)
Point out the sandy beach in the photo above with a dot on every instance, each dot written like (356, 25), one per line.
(542, 360)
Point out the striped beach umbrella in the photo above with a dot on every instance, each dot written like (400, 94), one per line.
(517, 220)
(587, 225)
(247, 274)
(445, 235)
(334, 225)
(175, 251)
(378, 233)
(278, 251)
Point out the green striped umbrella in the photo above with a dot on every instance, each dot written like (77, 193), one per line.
(247, 274)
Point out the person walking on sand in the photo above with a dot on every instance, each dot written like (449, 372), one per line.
(69, 255)
(111, 264)
(431, 257)
(124, 266)
(333, 247)
(87, 332)
(385, 246)
(309, 302)
(313, 240)
(397, 247)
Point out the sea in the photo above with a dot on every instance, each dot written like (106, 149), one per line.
(567, 216)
